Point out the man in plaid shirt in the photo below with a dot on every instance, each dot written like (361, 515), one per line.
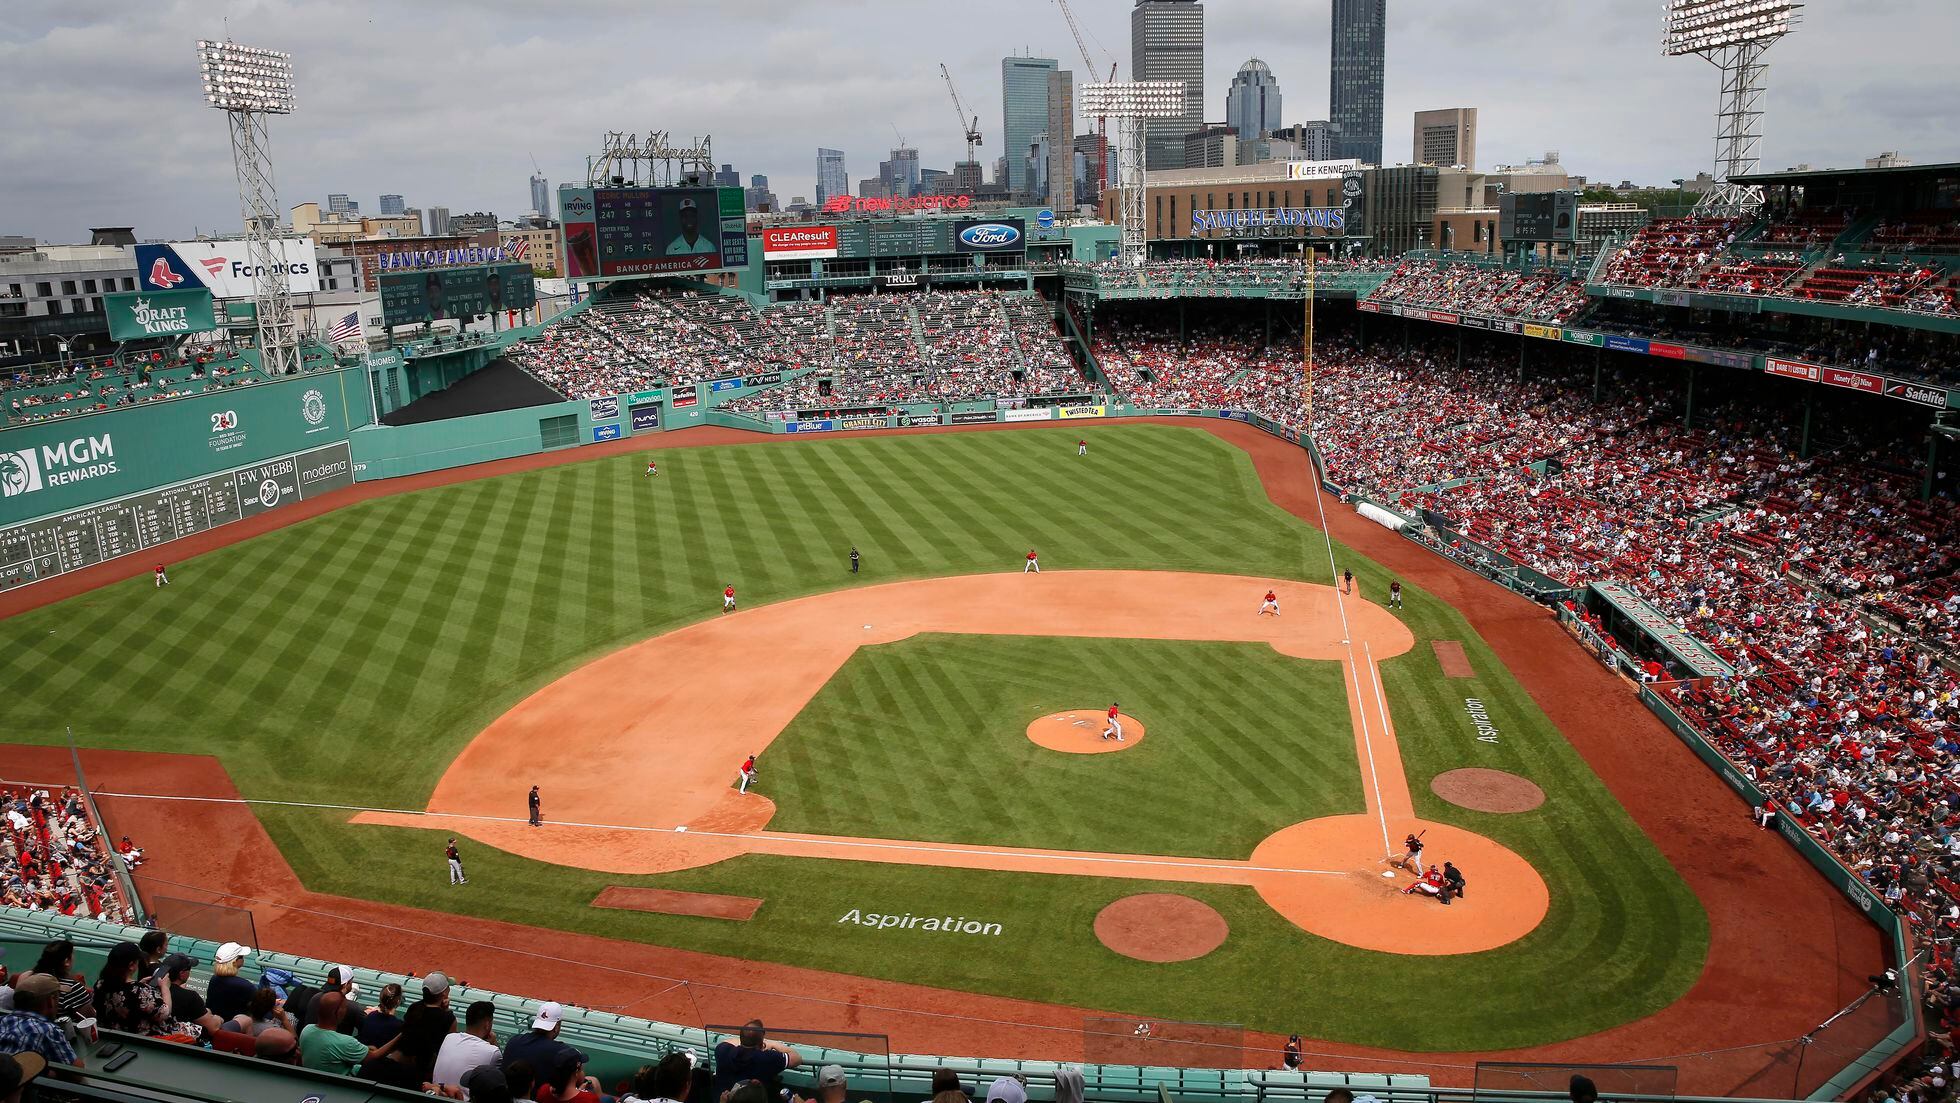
(28, 1029)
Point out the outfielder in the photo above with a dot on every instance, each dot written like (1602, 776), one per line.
(652, 469)
(455, 864)
(1270, 605)
(1033, 564)
(728, 598)
(163, 577)
(1082, 447)
(1115, 725)
(747, 776)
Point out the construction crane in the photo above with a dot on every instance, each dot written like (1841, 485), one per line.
(1089, 65)
(971, 125)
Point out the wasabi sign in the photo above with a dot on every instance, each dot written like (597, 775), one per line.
(135, 314)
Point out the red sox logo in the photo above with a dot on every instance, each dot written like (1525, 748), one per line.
(162, 276)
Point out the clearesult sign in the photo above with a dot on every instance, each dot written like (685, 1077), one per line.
(137, 314)
(799, 242)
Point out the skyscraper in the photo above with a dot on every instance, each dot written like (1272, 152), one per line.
(727, 177)
(831, 179)
(900, 175)
(338, 203)
(1023, 113)
(1061, 140)
(1446, 137)
(1167, 42)
(391, 205)
(436, 221)
(1252, 103)
(759, 197)
(1354, 78)
(540, 194)
(1314, 139)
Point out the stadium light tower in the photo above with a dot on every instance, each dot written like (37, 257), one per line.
(1128, 103)
(250, 86)
(1732, 35)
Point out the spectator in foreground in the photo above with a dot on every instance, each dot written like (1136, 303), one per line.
(667, 1081)
(124, 1003)
(16, 1072)
(266, 1012)
(753, 1056)
(381, 1023)
(1007, 1089)
(58, 961)
(324, 1048)
(185, 1004)
(540, 1049)
(1069, 1086)
(472, 1047)
(946, 1087)
(30, 1026)
(831, 1085)
(571, 1085)
(488, 1084)
(1582, 1089)
(277, 1044)
(428, 1022)
(154, 945)
(229, 995)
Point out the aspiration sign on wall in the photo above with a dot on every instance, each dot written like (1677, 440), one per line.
(134, 315)
(225, 267)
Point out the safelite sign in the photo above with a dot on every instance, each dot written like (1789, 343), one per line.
(799, 242)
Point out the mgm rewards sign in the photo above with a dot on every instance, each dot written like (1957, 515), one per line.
(134, 314)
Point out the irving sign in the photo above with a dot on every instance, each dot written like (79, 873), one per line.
(135, 314)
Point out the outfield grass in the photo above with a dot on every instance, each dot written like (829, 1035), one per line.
(349, 658)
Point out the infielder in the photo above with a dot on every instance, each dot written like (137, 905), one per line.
(747, 777)
(1270, 605)
(455, 864)
(1033, 564)
(1115, 725)
(1395, 595)
(728, 598)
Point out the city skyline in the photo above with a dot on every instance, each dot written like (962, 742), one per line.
(366, 122)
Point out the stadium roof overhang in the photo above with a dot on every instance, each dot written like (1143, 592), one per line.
(1894, 175)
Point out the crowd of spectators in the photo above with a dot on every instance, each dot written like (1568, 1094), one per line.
(423, 1045)
(1219, 364)
(1540, 295)
(1288, 273)
(47, 392)
(53, 856)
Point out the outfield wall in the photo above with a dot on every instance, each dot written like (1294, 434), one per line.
(80, 490)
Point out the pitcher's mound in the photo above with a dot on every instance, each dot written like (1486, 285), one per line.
(1080, 732)
(1482, 790)
(1161, 926)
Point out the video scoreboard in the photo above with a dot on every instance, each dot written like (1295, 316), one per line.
(425, 294)
(652, 231)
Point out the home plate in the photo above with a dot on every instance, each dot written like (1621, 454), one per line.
(1389, 873)
(867, 627)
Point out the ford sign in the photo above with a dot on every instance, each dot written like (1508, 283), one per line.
(988, 235)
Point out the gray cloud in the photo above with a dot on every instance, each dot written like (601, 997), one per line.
(447, 101)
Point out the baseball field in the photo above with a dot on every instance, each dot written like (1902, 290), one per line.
(934, 805)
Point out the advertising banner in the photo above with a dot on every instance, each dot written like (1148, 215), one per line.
(763, 379)
(1719, 357)
(1474, 321)
(716, 386)
(863, 422)
(1315, 170)
(970, 417)
(1368, 306)
(603, 409)
(799, 242)
(1936, 397)
(1655, 348)
(225, 268)
(605, 432)
(820, 425)
(1853, 380)
(654, 395)
(1042, 413)
(1581, 337)
(1626, 344)
(1440, 316)
(646, 418)
(1549, 333)
(1505, 325)
(53, 466)
(1354, 203)
(683, 399)
(137, 314)
(1081, 411)
(1000, 236)
(1791, 369)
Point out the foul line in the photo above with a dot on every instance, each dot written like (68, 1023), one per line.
(1222, 865)
(1368, 744)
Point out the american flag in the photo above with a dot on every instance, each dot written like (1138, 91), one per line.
(346, 328)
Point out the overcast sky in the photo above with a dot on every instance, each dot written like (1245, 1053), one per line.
(448, 101)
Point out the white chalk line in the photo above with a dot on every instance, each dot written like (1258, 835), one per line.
(768, 838)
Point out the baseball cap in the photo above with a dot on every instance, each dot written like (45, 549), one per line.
(346, 975)
(550, 1014)
(435, 984)
(1006, 1090)
(18, 1069)
(176, 963)
(687, 205)
(486, 1084)
(230, 951)
(830, 1076)
(39, 985)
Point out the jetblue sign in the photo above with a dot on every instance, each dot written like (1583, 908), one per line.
(1269, 219)
(989, 237)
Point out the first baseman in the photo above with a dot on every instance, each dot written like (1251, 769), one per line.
(747, 777)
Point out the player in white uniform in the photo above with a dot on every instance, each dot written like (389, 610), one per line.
(1270, 605)
(1115, 725)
